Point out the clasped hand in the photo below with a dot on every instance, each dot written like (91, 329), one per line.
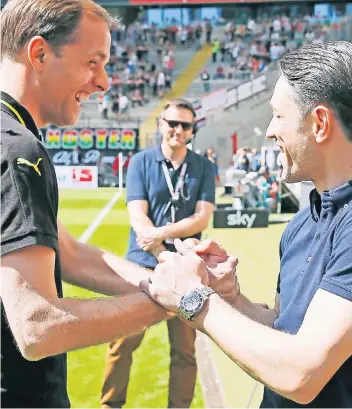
(150, 238)
(195, 264)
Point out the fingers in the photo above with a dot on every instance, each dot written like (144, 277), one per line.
(147, 245)
(191, 243)
(149, 289)
(144, 286)
(143, 242)
(263, 305)
(182, 248)
(233, 262)
(210, 247)
(204, 246)
(226, 268)
(165, 256)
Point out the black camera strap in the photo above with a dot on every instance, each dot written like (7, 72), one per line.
(175, 193)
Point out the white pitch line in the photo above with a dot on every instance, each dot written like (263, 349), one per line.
(210, 379)
(87, 234)
(252, 394)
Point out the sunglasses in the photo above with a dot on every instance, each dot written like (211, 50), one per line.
(186, 126)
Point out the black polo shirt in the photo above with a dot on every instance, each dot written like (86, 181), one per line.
(29, 205)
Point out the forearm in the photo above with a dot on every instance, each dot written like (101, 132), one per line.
(254, 311)
(186, 227)
(69, 324)
(275, 359)
(102, 272)
(140, 221)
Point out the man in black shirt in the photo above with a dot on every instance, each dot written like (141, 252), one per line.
(53, 57)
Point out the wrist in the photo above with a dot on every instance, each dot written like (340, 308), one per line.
(193, 302)
(157, 250)
(162, 232)
(213, 301)
(236, 301)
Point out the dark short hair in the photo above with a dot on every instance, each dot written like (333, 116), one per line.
(180, 103)
(54, 20)
(322, 73)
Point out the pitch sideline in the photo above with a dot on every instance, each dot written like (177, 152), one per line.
(88, 233)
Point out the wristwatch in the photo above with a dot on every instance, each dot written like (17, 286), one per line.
(193, 302)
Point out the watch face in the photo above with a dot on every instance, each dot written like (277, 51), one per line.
(192, 302)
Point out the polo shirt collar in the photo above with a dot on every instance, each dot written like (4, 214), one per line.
(22, 111)
(160, 156)
(335, 198)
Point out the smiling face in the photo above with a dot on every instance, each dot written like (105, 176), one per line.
(70, 78)
(292, 134)
(176, 137)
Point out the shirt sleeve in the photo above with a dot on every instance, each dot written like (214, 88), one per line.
(338, 275)
(29, 195)
(135, 180)
(207, 187)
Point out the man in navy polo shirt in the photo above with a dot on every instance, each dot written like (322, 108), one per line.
(170, 193)
(302, 353)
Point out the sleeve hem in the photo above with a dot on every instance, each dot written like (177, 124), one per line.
(19, 243)
(136, 197)
(336, 288)
(206, 199)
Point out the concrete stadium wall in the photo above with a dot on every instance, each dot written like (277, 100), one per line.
(254, 112)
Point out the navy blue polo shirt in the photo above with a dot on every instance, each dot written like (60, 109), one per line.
(146, 181)
(316, 252)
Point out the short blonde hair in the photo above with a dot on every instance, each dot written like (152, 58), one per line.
(54, 20)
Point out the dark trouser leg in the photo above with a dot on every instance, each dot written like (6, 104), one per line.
(183, 367)
(117, 371)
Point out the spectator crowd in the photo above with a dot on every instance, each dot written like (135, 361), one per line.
(246, 49)
(253, 185)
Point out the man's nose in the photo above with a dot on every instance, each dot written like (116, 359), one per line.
(179, 129)
(102, 80)
(270, 132)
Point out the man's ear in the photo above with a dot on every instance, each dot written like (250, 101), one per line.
(195, 128)
(37, 50)
(321, 116)
(160, 123)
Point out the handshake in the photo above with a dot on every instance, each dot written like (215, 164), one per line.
(195, 265)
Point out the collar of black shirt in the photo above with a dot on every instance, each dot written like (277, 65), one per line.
(25, 115)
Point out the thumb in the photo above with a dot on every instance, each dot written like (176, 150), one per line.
(263, 305)
(182, 248)
(144, 286)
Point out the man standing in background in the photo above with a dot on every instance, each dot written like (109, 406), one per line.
(170, 194)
